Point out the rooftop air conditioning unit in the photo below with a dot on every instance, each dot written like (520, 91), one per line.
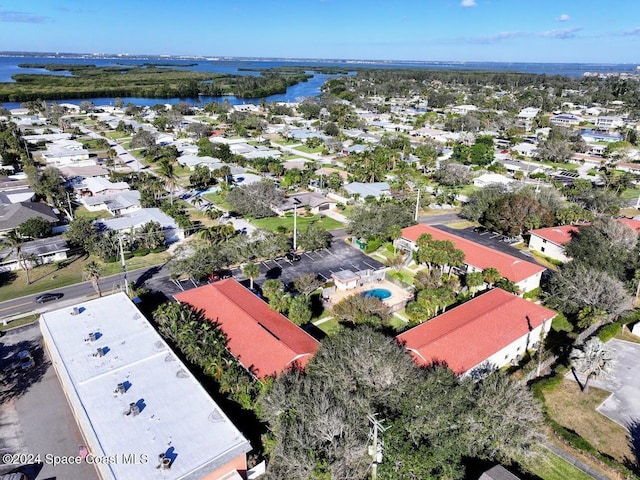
(120, 389)
(133, 410)
(75, 311)
(99, 352)
(93, 336)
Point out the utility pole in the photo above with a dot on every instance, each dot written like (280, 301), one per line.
(375, 450)
(70, 207)
(296, 202)
(124, 266)
(417, 206)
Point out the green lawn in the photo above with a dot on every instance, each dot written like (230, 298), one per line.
(19, 322)
(219, 199)
(83, 212)
(330, 327)
(549, 466)
(116, 135)
(272, 223)
(305, 149)
(631, 194)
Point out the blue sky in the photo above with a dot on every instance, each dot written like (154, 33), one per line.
(605, 31)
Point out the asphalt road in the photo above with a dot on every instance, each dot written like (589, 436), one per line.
(158, 276)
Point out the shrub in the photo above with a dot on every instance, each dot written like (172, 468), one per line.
(373, 244)
(573, 438)
(533, 294)
(159, 249)
(561, 324)
(607, 332)
(141, 253)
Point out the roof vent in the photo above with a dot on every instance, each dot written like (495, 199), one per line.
(133, 409)
(93, 336)
(164, 462)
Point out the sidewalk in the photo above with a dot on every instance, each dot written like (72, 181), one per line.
(579, 464)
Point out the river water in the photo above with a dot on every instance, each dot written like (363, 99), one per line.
(311, 88)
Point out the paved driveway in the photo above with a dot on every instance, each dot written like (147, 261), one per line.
(623, 406)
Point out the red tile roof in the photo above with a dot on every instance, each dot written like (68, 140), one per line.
(558, 235)
(469, 334)
(632, 223)
(263, 340)
(479, 256)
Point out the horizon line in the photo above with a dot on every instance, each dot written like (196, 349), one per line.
(291, 59)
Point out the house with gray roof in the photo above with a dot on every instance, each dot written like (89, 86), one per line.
(135, 220)
(314, 201)
(15, 214)
(13, 190)
(116, 204)
(363, 190)
(41, 251)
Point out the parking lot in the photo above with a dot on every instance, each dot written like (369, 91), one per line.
(623, 406)
(340, 256)
(35, 416)
(488, 239)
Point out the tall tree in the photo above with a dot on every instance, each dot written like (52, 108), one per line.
(14, 240)
(92, 271)
(592, 359)
(168, 173)
(251, 271)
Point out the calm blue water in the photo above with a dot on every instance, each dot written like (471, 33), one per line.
(9, 67)
(379, 293)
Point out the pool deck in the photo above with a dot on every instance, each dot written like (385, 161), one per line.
(398, 294)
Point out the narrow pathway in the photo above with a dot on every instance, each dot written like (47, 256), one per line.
(576, 462)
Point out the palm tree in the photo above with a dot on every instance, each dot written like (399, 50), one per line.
(473, 281)
(168, 173)
(491, 275)
(92, 272)
(251, 271)
(592, 359)
(15, 241)
(394, 232)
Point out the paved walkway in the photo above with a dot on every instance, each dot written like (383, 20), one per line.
(579, 464)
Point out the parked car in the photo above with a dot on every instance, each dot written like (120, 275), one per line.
(26, 360)
(49, 297)
(219, 275)
(292, 257)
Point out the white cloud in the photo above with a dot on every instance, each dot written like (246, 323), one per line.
(468, 3)
(564, 18)
(562, 34)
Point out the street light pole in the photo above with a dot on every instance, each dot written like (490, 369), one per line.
(296, 202)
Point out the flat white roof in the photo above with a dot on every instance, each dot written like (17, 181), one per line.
(177, 416)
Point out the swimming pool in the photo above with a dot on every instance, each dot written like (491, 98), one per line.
(379, 293)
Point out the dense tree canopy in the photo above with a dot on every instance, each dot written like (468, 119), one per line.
(319, 418)
(376, 220)
(256, 200)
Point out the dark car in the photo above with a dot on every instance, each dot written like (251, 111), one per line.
(26, 360)
(49, 297)
(219, 275)
(292, 257)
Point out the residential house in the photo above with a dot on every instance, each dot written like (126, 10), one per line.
(264, 341)
(101, 186)
(364, 190)
(526, 149)
(315, 202)
(15, 214)
(39, 252)
(464, 109)
(608, 122)
(488, 332)
(191, 161)
(491, 179)
(565, 120)
(132, 221)
(133, 398)
(551, 241)
(13, 190)
(116, 204)
(498, 473)
(524, 274)
(526, 116)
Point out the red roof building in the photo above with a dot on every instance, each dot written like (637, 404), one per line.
(478, 257)
(264, 341)
(551, 241)
(494, 329)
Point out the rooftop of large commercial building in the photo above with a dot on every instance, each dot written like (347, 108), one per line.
(131, 394)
